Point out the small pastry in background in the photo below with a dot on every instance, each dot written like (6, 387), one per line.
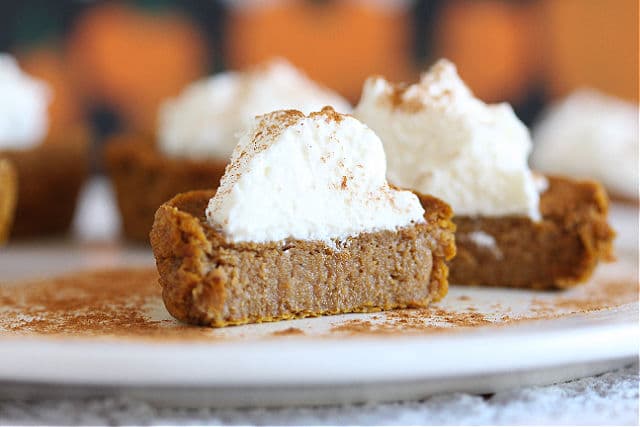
(8, 197)
(590, 135)
(513, 228)
(303, 224)
(50, 171)
(197, 133)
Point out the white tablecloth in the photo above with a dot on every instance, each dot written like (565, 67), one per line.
(611, 398)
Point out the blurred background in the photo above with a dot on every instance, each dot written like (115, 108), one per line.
(111, 63)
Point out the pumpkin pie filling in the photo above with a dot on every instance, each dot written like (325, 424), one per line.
(514, 228)
(559, 251)
(371, 247)
(208, 280)
(144, 179)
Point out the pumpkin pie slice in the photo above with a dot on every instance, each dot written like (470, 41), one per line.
(8, 196)
(303, 224)
(50, 176)
(196, 136)
(514, 228)
(559, 250)
(50, 169)
(144, 178)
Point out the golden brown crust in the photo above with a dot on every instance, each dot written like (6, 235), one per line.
(49, 179)
(208, 280)
(558, 252)
(8, 197)
(144, 179)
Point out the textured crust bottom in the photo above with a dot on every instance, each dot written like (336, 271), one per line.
(560, 251)
(8, 197)
(144, 179)
(49, 179)
(209, 281)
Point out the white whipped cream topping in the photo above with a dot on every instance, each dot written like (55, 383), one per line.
(203, 121)
(317, 177)
(24, 120)
(443, 141)
(590, 135)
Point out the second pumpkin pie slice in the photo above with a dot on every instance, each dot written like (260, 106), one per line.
(514, 228)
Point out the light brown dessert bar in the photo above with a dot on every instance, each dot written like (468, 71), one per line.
(144, 179)
(49, 179)
(559, 251)
(208, 280)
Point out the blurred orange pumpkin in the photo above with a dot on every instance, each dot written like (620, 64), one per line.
(491, 42)
(134, 59)
(592, 43)
(338, 43)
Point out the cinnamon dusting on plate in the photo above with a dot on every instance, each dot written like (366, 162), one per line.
(595, 296)
(424, 320)
(127, 303)
(288, 331)
(102, 303)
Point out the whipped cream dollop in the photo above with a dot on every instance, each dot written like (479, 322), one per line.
(443, 141)
(202, 122)
(24, 100)
(590, 135)
(316, 177)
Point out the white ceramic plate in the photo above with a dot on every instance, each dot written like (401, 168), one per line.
(306, 371)
(255, 365)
